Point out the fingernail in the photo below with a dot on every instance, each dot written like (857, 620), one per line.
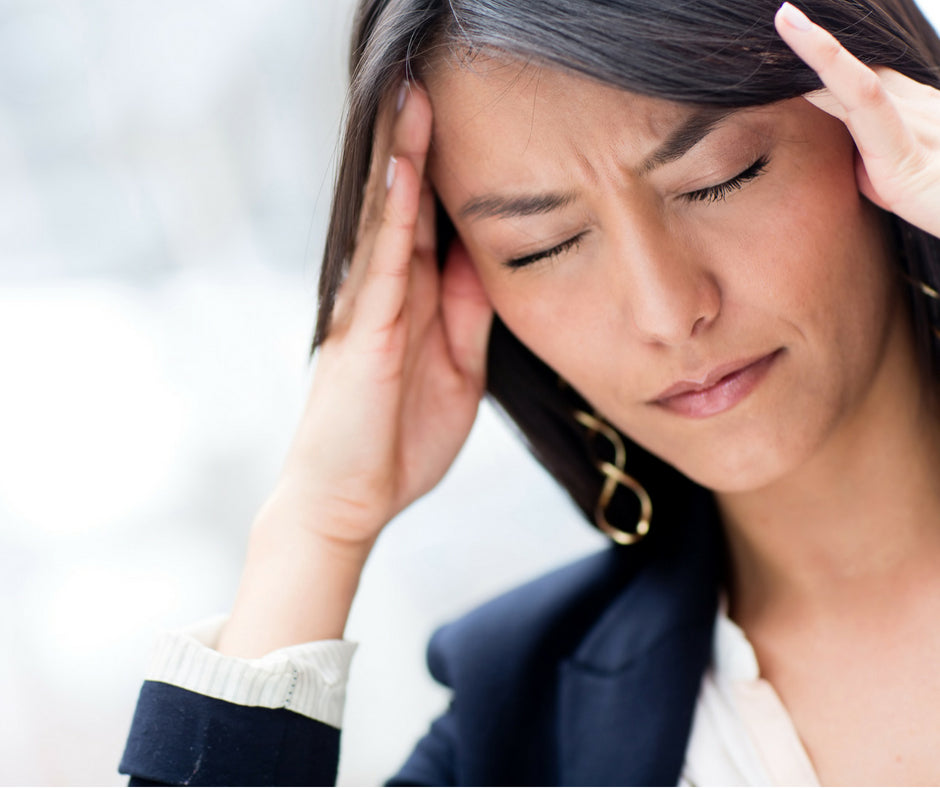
(795, 18)
(402, 95)
(390, 172)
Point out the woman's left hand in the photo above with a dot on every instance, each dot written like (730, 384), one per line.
(894, 120)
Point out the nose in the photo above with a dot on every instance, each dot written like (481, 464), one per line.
(671, 294)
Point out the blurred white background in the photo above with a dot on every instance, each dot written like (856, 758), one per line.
(165, 172)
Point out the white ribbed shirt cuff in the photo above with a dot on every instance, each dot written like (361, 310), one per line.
(309, 678)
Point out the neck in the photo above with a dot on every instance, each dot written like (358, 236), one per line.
(857, 525)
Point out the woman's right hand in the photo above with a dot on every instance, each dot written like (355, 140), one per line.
(397, 384)
(401, 372)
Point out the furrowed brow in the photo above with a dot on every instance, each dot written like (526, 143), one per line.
(683, 138)
(489, 206)
(689, 133)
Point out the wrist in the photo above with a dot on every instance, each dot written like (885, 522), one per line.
(295, 509)
(297, 586)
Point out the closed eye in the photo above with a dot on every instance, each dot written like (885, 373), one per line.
(722, 190)
(707, 195)
(555, 251)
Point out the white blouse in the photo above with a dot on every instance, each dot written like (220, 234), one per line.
(741, 732)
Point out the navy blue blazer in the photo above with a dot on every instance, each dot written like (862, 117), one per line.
(587, 676)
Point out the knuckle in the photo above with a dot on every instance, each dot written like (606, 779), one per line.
(829, 51)
(870, 90)
(399, 220)
(393, 268)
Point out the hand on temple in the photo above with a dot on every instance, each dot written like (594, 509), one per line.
(894, 121)
(397, 385)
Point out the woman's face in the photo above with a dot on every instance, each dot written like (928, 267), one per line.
(714, 286)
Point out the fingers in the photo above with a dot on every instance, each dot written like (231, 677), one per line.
(413, 127)
(393, 218)
(894, 121)
(373, 196)
(854, 92)
(370, 212)
(467, 313)
(402, 129)
(903, 86)
(910, 96)
(424, 279)
(426, 231)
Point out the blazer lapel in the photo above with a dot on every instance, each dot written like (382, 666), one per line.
(628, 694)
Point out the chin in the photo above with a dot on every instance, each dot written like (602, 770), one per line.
(735, 480)
(738, 469)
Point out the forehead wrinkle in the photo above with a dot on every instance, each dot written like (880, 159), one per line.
(537, 77)
(584, 163)
(660, 133)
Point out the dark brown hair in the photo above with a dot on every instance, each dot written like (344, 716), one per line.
(710, 52)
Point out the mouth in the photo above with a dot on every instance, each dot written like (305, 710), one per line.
(720, 390)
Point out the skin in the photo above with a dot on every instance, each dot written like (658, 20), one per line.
(663, 289)
(831, 523)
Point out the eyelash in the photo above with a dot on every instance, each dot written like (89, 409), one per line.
(564, 246)
(709, 194)
(722, 190)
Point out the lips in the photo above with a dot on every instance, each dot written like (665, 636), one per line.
(721, 389)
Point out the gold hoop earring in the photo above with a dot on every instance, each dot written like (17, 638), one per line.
(615, 475)
(926, 290)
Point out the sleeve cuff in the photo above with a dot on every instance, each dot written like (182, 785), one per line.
(309, 678)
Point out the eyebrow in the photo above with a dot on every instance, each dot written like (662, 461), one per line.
(691, 131)
(489, 206)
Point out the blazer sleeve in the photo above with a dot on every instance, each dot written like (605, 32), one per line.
(499, 660)
(180, 737)
(207, 719)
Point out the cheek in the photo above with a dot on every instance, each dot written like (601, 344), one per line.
(839, 269)
(819, 256)
(553, 327)
(549, 320)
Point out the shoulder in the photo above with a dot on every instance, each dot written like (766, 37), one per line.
(601, 610)
(541, 675)
(547, 616)
(585, 676)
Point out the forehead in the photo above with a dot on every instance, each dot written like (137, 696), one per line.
(512, 119)
(469, 97)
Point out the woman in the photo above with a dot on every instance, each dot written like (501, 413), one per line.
(714, 323)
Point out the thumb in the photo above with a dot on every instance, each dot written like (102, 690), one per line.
(467, 313)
